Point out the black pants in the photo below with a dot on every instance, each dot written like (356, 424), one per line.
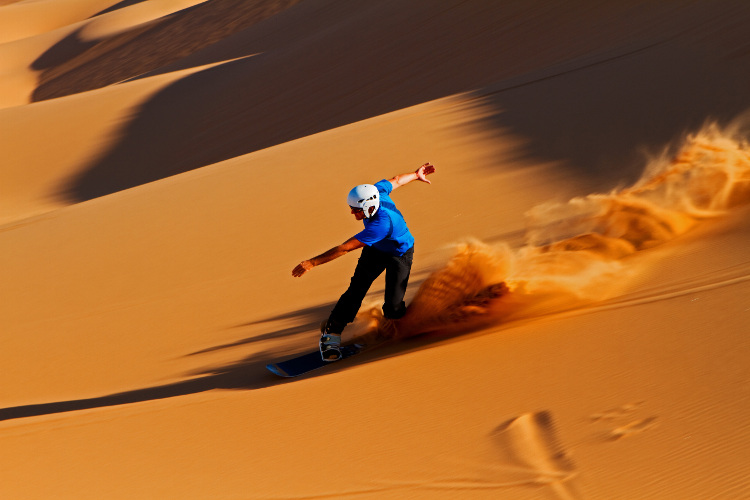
(371, 264)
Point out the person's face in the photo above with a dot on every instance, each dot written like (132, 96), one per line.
(358, 213)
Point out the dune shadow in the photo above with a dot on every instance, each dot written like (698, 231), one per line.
(73, 66)
(66, 49)
(605, 119)
(592, 117)
(226, 112)
(118, 6)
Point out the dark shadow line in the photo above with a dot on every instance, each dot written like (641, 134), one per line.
(246, 374)
(309, 319)
(284, 332)
(117, 6)
(249, 373)
(137, 396)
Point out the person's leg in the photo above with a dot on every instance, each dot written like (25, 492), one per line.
(371, 264)
(396, 279)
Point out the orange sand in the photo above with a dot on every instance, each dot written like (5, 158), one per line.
(580, 298)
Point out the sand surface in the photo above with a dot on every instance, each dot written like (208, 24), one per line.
(580, 297)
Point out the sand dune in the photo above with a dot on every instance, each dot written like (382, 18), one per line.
(578, 316)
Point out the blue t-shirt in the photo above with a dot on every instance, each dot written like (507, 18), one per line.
(386, 230)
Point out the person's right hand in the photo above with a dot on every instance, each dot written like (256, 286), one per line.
(302, 268)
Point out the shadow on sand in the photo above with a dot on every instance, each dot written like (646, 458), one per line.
(588, 111)
(245, 374)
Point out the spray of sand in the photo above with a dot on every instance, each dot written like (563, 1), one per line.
(576, 252)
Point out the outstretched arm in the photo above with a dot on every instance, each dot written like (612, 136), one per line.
(333, 253)
(419, 174)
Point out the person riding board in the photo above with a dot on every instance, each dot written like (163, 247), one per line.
(387, 245)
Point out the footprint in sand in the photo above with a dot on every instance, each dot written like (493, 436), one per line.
(632, 428)
(622, 417)
(615, 413)
(529, 444)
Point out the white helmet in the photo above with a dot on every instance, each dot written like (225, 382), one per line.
(364, 196)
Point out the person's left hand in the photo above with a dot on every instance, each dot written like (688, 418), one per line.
(425, 170)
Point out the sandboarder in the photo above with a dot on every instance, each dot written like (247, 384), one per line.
(388, 246)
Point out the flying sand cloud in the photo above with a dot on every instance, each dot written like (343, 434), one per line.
(575, 251)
